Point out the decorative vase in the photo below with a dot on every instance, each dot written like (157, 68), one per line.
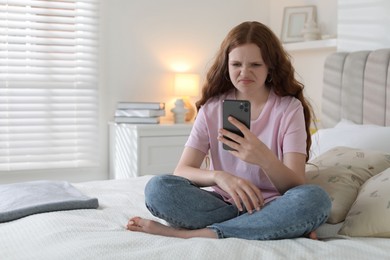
(179, 111)
(311, 32)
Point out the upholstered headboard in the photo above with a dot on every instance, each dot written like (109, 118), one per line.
(357, 87)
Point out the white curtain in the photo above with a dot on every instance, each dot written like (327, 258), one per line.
(48, 84)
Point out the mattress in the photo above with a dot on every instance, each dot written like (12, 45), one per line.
(101, 234)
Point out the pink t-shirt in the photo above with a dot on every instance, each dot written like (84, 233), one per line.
(280, 126)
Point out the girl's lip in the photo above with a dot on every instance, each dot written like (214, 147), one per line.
(246, 81)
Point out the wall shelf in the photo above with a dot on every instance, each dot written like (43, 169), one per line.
(311, 45)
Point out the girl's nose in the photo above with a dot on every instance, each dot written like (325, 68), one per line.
(244, 70)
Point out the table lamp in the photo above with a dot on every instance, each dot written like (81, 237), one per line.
(185, 85)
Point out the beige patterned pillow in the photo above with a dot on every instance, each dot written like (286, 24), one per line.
(341, 171)
(370, 214)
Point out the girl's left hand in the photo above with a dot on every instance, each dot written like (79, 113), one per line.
(248, 148)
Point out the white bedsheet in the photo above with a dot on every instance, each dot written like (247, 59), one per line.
(101, 234)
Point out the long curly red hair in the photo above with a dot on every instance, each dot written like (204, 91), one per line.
(275, 57)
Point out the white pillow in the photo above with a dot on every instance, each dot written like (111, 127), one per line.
(341, 171)
(348, 134)
(370, 214)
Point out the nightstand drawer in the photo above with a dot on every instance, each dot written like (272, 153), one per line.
(137, 150)
(160, 155)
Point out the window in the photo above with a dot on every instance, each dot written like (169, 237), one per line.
(48, 84)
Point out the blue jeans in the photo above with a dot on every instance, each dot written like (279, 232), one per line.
(177, 200)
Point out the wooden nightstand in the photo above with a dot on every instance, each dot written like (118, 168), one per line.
(143, 149)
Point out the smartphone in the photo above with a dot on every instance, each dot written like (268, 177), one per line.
(239, 109)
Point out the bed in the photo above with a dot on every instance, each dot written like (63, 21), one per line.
(351, 160)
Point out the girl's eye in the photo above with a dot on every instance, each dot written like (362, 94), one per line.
(236, 64)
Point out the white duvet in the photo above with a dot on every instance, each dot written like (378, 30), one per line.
(101, 234)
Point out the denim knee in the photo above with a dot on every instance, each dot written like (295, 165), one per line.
(320, 196)
(153, 186)
(160, 187)
(315, 197)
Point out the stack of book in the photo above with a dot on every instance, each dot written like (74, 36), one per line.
(139, 112)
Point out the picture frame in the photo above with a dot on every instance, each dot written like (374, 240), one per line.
(294, 19)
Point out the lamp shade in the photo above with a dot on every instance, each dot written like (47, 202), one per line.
(186, 84)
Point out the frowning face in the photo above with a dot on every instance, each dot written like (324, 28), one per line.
(247, 70)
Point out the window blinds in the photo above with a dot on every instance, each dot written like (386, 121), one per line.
(48, 84)
(363, 25)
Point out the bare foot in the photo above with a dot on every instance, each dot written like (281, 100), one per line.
(153, 227)
(149, 226)
(313, 235)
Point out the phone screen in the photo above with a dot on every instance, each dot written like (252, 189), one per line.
(239, 109)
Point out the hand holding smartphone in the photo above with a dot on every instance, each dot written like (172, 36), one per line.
(240, 110)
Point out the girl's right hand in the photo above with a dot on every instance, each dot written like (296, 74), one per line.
(242, 191)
